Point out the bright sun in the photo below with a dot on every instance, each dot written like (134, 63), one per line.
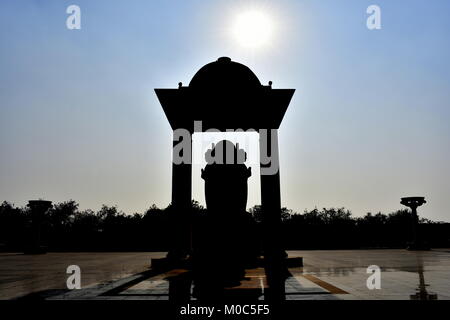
(253, 29)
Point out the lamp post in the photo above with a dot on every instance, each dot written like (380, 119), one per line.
(413, 203)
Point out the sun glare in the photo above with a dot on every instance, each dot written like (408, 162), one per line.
(253, 29)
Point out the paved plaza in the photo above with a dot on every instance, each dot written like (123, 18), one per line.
(330, 275)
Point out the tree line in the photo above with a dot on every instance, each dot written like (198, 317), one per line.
(67, 228)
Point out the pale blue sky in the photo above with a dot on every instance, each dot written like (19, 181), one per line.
(369, 121)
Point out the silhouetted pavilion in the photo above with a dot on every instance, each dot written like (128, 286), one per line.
(225, 95)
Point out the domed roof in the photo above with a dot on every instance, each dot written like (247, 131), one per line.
(225, 73)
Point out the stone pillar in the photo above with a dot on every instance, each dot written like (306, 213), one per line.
(270, 193)
(274, 254)
(180, 241)
(414, 226)
(38, 208)
(417, 242)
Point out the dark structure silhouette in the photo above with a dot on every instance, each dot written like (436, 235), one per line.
(38, 208)
(225, 95)
(224, 244)
(226, 181)
(417, 242)
(228, 95)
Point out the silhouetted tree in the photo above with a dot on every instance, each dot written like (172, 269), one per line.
(13, 222)
(68, 228)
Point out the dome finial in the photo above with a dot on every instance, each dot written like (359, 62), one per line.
(224, 59)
